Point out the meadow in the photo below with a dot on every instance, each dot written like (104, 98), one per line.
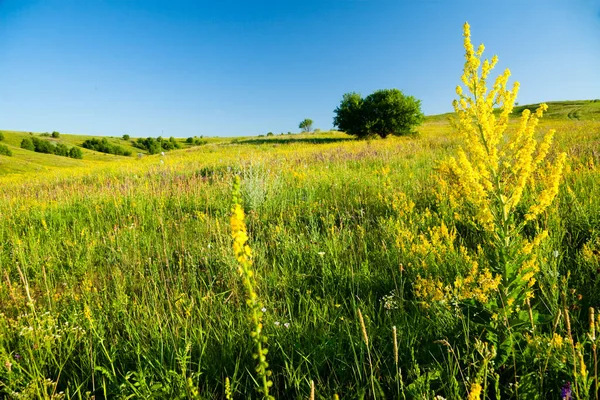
(373, 277)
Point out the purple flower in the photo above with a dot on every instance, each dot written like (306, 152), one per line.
(565, 391)
(17, 356)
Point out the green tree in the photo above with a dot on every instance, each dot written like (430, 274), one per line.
(384, 112)
(55, 134)
(349, 116)
(306, 125)
(126, 137)
(1, 136)
(390, 112)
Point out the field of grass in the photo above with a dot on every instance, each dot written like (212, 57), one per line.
(24, 161)
(118, 279)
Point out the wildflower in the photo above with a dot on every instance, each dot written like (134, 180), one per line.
(287, 324)
(321, 253)
(243, 255)
(556, 341)
(565, 392)
(277, 323)
(555, 253)
(17, 356)
(475, 393)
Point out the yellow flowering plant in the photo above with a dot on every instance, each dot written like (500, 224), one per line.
(501, 180)
(243, 255)
(502, 176)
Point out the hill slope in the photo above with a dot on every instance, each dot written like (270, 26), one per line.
(584, 110)
(28, 161)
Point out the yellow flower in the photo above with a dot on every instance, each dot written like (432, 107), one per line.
(475, 393)
(556, 341)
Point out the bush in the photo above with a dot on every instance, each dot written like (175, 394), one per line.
(55, 135)
(1, 136)
(190, 140)
(155, 146)
(61, 150)
(384, 112)
(270, 134)
(75, 152)
(126, 137)
(27, 144)
(5, 151)
(43, 146)
(103, 146)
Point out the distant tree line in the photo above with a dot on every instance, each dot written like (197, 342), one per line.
(155, 146)
(195, 141)
(104, 146)
(44, 146)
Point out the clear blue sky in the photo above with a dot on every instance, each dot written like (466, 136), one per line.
(224, 68)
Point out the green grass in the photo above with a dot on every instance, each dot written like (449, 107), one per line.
(117, 279)
(580, 110)
(24, 161)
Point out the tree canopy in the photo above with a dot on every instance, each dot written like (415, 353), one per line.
(384, 112)
(306, 125)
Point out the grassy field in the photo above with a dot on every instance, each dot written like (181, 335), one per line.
(118, 279)
(24, 161)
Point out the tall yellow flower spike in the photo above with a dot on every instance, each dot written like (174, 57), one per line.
(495, 171)
(495, 168)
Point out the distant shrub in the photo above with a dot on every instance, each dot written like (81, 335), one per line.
(61, 150)
(189, 140)
(27, 144)
(5, 151)
(270, 134)
(75, 152)
(1, 136)
(43, 146)
(155, 146)
(200, 142)
(45, 134)
(126, 137)
(55, 134)
(46, 147)
(104, 146)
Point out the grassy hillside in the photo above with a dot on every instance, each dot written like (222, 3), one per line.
(579, 110)
(24, 161)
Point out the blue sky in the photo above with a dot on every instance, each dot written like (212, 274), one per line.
(229, 68)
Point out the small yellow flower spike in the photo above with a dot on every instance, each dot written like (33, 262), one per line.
(243, 256)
